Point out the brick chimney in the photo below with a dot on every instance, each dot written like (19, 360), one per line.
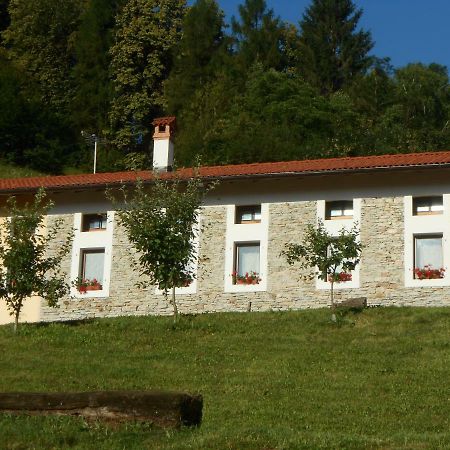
(162, 143)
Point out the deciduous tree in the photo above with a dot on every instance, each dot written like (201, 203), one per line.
(146, 32)
(40, 39)
(328, 255)
(162, 223)
(28, 265)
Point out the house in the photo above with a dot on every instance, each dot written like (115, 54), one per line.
(400, 204)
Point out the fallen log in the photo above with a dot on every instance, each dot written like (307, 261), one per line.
(354, 303)
(164, 409)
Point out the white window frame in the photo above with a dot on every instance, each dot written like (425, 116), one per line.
(249, 208)
(423, 225)
(242, 233)
(85, 240)
(192, 288)
(342, 216)
(333, 227)
(429, 212)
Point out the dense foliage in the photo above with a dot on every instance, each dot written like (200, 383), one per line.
(259, 89)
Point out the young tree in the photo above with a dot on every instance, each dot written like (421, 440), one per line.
(162, 224)
(329, 255)
(28, 265)
(332, 52)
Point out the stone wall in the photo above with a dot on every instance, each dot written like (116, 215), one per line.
(381, 270)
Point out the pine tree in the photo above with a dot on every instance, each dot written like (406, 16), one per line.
(259, 36)
(4, 17)
(332, 50)
(147, 31)
(91, 103)
(199, 55)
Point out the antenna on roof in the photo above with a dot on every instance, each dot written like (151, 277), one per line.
(93, 139)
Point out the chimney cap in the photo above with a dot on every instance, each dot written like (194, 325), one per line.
(170, 120)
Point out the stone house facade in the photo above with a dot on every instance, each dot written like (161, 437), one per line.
(400, 203)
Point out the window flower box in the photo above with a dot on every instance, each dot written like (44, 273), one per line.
(85, 285)
(340, 277)
(248, 278)
(428, 273)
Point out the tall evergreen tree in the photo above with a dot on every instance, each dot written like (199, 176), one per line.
(259, 36)
(199, 55)
(147, 31)
(91, 103)
(40, 39)
(4, 17)
(332, 50)
(31, 134)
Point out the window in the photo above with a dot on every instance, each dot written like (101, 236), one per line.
(342, 209)
(92, 265)
(94, 222)
(247, 263)
(428, 205)
(428, 256)
(248, 214)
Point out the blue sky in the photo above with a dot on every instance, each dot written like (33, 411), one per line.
(405, 30)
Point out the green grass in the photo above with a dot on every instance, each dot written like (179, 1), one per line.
(269, 380)
(8, 170)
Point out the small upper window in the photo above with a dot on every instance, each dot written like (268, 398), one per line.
(94, 222)
(428, 205)
(248, 214)
(342, 209)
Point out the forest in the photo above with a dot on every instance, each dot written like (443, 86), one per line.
(254, 89)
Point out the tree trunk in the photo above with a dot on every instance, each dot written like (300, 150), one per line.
(333, 305)
(174, 304)
(16, 320)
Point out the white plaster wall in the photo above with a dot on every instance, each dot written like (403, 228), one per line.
(92, 240)
(240, 233)
(334, 227)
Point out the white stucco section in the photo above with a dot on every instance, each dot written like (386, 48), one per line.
(334, 227)
(162, 154)
(89, 241)
(424, 225)
(246, 233)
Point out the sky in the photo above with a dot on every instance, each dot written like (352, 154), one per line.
(404, 30)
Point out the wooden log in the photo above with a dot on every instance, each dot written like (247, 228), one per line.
(354, 303)
(165, 409)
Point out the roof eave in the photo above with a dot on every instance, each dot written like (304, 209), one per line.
(232, 177)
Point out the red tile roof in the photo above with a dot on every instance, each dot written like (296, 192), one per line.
(288, 168)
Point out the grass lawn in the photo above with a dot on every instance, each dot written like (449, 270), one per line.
(269, 380)
(8, 170)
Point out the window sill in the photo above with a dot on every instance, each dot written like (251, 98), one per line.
(339, 218)
(102, 293)
(237, 288)
(427, 283)
(323, 286)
